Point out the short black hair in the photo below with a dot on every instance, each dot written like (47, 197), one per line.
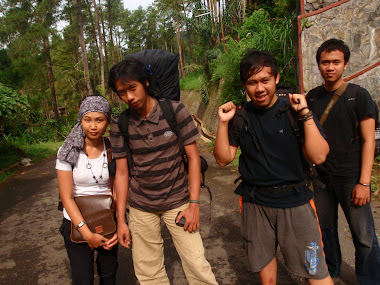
(254, 61)
(331, 45)
(127, 70)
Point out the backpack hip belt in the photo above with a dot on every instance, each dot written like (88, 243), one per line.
(280, 189)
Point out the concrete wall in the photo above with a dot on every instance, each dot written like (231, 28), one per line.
(357, 22)
(207, 114)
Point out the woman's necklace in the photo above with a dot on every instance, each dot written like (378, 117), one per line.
(104, 165)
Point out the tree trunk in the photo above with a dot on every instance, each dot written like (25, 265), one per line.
(102, 78)
(178, 35)
(188, 34)
(95, 39)
(209, 5)
(221, 28)
(119, 55)
(243, 9)
(52, 86)
(104, 40)
(83, 50)
(78, 85)
(111, 32)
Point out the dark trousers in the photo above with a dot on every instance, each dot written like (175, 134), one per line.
(81, 258)
(338, 190)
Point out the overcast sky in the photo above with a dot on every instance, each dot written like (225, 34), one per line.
(134, 4)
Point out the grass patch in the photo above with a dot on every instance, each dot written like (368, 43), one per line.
(40, 151)
(14, 152)
(193, 81)
(6, 174)
(9, 154)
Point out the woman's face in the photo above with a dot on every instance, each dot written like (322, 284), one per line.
(94, 125)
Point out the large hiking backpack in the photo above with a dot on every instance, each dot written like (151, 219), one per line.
(163, 69)
(164, 85)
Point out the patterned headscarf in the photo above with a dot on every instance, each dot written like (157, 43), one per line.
(74, 142)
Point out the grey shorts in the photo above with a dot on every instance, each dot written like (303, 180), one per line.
(295, 230)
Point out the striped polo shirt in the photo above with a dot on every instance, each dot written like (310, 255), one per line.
(158, 179)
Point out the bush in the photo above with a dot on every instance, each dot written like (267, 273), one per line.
(262, 33)
(11, 102)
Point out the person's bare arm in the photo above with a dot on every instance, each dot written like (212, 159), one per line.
(315, 147)
(361, 194)
(191, 214)
(224, 152)
(121, 186)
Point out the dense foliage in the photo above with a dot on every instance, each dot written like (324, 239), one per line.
(11, 102)
(261, 32)
(55, 52)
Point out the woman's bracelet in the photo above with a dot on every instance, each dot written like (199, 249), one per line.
(195, 201)
(81, 224)
(364, 184)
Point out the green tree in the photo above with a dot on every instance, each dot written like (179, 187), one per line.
(25, 28)
(261, 32)
(9, 75)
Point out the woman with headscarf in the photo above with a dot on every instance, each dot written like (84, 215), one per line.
(82, 169)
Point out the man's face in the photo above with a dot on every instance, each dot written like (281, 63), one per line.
(331, 65)
(261, 88)
(133, 93)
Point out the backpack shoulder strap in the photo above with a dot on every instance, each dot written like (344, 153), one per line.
(312, 96)
(240, 117)
(342, 88)
(169, 115)
(123, 123)
(292, 116)
(108, 149)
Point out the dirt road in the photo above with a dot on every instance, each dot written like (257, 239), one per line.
(33, 252)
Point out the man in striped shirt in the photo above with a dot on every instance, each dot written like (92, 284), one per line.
(159, 185)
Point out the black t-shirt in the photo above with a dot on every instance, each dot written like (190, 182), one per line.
(344, 158)
(279, 161)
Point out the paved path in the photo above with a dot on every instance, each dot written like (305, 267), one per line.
(32, 250)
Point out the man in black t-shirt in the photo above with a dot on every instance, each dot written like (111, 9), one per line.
(277, 208)
(347, 170)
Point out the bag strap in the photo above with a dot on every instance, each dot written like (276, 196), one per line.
(240, 118)
(342, 88)
(169, 115)
(108, 149)
(109, 159)
(292, 116)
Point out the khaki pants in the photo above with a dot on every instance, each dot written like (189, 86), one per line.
(148, 249)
